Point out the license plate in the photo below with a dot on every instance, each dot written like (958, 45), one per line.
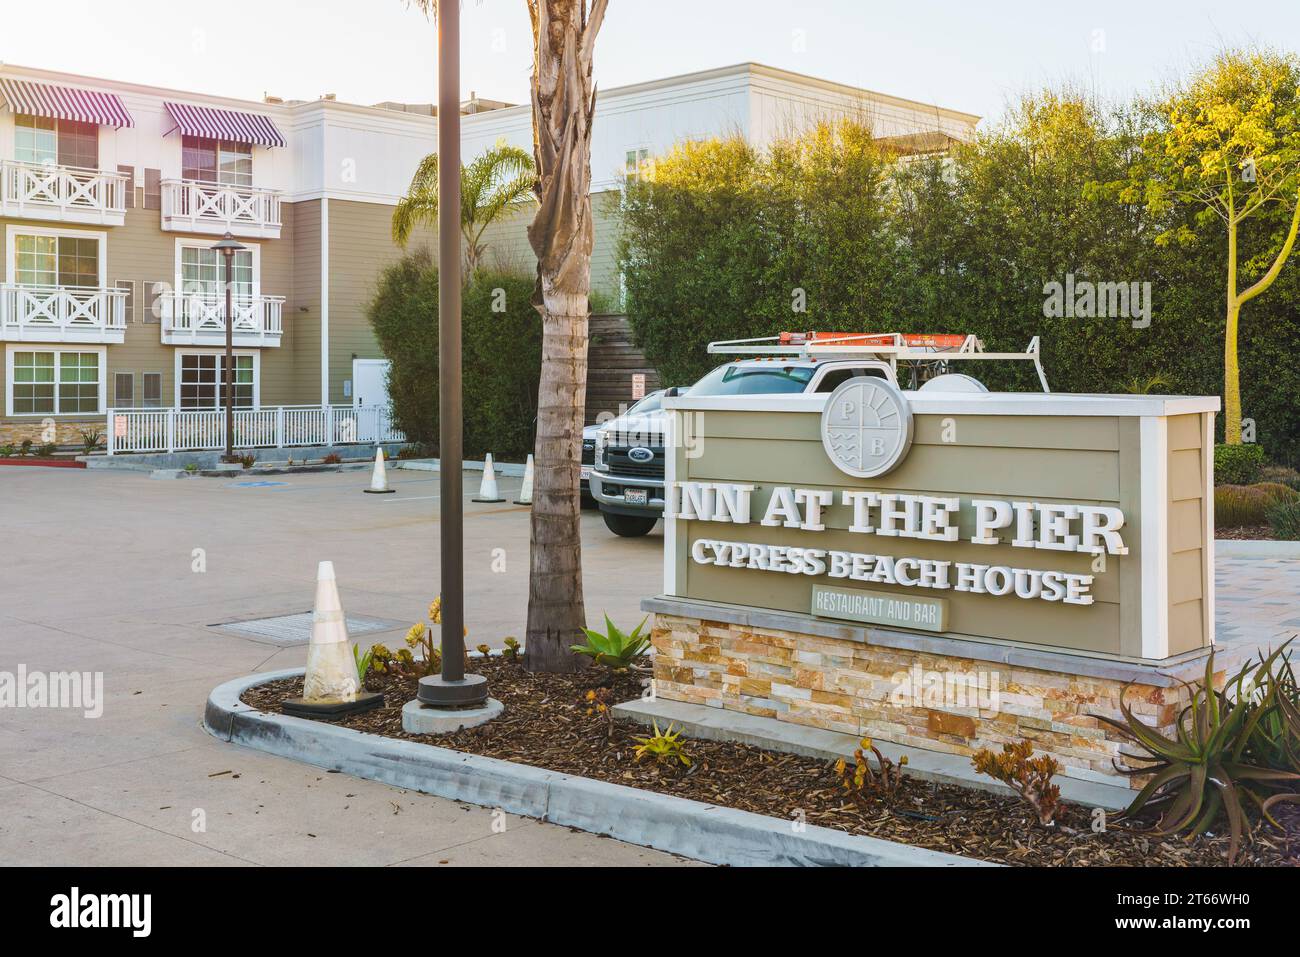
(586, 472)
(634, 496)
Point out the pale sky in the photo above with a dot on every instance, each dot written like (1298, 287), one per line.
(969, 55)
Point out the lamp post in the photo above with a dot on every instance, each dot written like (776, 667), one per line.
(228, 247)
(452, 688)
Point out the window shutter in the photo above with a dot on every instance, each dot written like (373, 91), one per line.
(130, 185)
(152, 189)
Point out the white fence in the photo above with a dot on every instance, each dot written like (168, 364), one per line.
(204, 430)
(31, 187)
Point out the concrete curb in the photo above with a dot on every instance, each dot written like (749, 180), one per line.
(679, 826)
(1255, 548)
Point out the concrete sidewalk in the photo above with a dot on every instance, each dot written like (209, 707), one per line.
(112, 572)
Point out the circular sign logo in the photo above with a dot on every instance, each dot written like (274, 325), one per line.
(640, 454)
(866, 426)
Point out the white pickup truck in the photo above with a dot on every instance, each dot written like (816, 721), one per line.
(627, 472)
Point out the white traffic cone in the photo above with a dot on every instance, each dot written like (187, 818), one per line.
(487, 491)
(331, 669)
(379, 477)
(526, 491)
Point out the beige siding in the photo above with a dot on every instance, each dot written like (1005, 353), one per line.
(304, 387)
(1188, 628)
(1049, 459)
(141, 253)
(360, 247)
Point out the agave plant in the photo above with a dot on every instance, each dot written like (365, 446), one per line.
(614, 649)
(1205, 770)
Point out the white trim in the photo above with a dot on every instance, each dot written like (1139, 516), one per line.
(672, 440)
(14, 230)
(325, 301)
(56, 348)
(1207, 507)
(257, 372)
(991, 403)
(1154, 469)
(198, 243)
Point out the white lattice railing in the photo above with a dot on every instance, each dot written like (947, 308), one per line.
(200, 430)
(195, 318)
(50, 192)
(197, 207)
(62, 314)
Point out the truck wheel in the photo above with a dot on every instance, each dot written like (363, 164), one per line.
(629, 526)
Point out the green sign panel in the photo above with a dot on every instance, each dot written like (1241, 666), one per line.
(880, 608)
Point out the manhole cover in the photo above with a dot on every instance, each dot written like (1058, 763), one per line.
(296, 629)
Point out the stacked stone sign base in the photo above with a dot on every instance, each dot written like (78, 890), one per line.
(928, 692)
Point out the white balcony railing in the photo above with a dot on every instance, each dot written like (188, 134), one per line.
(194, 207)
(200, 319)
(62, 314)
(65, 193)
(196, 430)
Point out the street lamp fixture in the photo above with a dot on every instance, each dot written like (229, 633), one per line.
(227, 246)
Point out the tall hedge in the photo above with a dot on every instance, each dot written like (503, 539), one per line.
(724, 241)
(501, 362)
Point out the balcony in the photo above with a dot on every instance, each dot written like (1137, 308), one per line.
(213, 209)
(62, 314)
(62, 193)
(192, 319)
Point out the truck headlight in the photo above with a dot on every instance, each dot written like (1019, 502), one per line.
(599, 460)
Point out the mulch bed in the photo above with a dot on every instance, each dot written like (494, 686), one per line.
(546, 724)
(1246, 532)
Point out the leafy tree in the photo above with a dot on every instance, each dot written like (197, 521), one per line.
(503, 347)
(497, 183)
(1229, 145)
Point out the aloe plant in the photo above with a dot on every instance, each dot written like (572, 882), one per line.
(614, 649)
(363, 660)
(1205, 771)
(665, 747)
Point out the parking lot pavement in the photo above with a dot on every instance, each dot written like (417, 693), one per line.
(113, 572)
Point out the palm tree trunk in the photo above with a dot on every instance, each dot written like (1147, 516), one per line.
(563, 96)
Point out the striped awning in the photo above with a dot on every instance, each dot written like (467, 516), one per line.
(65, 103)
(223, 124)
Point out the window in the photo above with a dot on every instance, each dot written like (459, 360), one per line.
(36, 139)
(42, 260)
(209, 160)
(124, 390)
(203, 381)
(837, 377)
(203, 272)
(39, 139)
(55, 383)
(635, 163)
(765, 379)
(152, 383)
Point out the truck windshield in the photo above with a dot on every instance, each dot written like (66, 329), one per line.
(752, 380)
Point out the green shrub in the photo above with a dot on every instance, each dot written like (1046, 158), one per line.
(725, 241)
(1238, 505)
(501, 361)
(1281, 474)
(1238, 464)
(1284, 519)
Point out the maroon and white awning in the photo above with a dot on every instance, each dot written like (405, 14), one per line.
(65, 103)
(223, 124)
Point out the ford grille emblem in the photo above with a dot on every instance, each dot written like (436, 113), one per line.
(640, 454)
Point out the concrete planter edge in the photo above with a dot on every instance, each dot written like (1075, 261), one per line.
(681, 826)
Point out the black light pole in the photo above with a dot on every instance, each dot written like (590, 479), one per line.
(228, 248)
(452, 688)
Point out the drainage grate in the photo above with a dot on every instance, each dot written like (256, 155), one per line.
(296, 629)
